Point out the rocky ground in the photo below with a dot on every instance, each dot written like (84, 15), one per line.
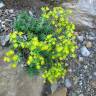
(80, 81)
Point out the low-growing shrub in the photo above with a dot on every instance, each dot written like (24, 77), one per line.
(43, 43)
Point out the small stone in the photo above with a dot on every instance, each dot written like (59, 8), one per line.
(68, 83)
(81, 95)
(54, 87)
(1, 4)
(60, 92)
(91, 38)
(11, 11)
(74, 94)
(93, 83)
(94, 73)
(90, 77)
(80, 38)
(70, 70)
(80, 59)
(30, 12)
(85, 67)
(84, 51)
(88, 44)
(4, 39)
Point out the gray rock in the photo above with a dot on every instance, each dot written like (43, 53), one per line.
(88, 44)
(81, 59)
(11, 11)
(81, 95)
(80, 38)
(60, 92)
(1, 4)
(68, 83)
(84, 51)
(4, 39)
(73, 94)
(94, 73)
(90, 37)
(54, 87)
(31, 14)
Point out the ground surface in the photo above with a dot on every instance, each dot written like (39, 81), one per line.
(81, 79)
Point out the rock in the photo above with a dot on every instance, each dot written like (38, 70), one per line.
(84, 51)
(94, 73)
(88, 44)
(73, 94)
(80, 38)
(54, 87)
(60, 92)
(31, 14)
(85, 17)
(4, 39)
(27, 86)
(1, 5)
(81, 59)
(68, 83)
(81, 95)
(11, 11)
(93, 83)
(85, 67)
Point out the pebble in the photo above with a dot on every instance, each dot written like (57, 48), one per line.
(1, 4)
(30, 12)
(68, 83)
(85, 67)
(94, 73)
(11, 11)
(80, 59)
(4, 39)
(88, 44)
(91, 37)
(54, 87)
(81, 95)
(80, 38)
(84, 51)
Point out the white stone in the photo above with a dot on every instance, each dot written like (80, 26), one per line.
(80, 59)
(84, 51)
(80, 38)
(54, 87)
(94, 73)
(30, 12)
(1, 4)
(11, 11)
(4, 39)
(68, 83)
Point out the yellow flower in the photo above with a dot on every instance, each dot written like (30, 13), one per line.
(15, 58)
(28, 62)
(6, 59)
(44, 48)
(43, 8)
(9, 53)
(13, 65)
(15, 45)
(59, 48)
(46, 8)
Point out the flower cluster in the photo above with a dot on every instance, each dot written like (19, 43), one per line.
(47, 55)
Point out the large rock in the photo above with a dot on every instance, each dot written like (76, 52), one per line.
(84, 12)
(29, 87)
(60, 92)
(1, 4)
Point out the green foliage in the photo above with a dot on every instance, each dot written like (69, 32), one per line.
(26, 23)
(47, 55)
